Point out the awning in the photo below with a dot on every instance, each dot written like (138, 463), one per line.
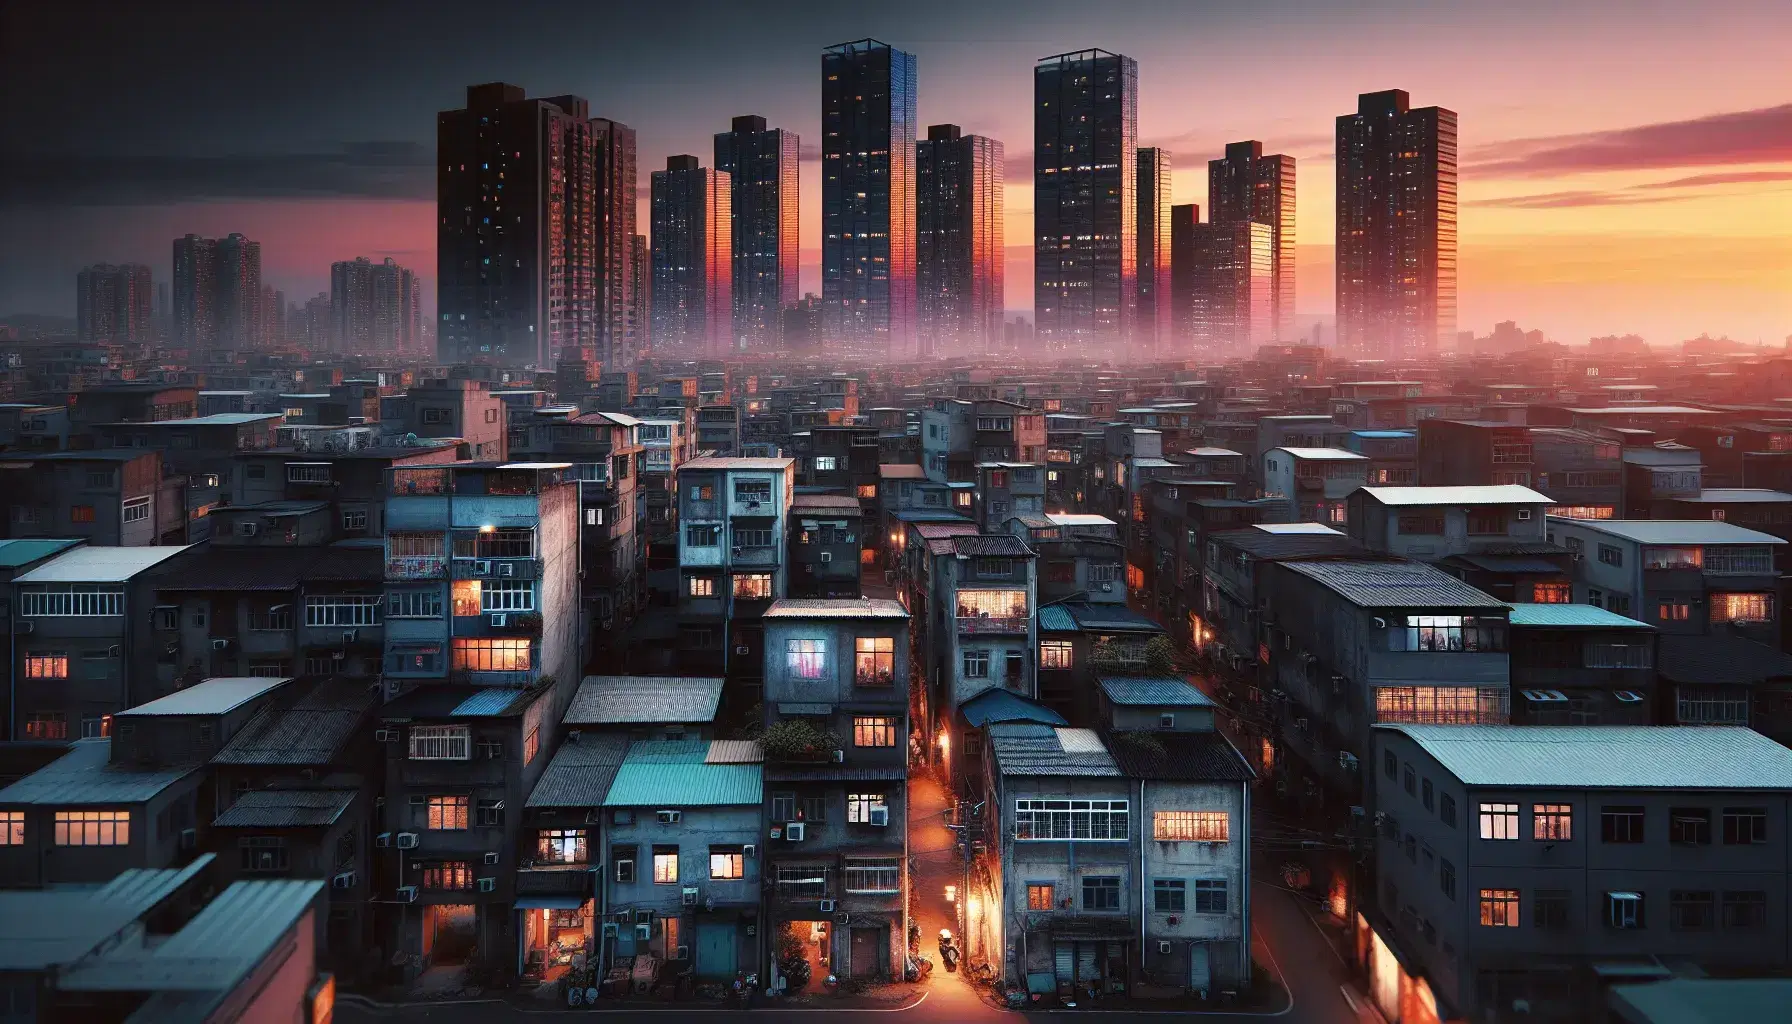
(549, 902)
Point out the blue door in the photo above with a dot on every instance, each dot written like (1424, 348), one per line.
(716, 949)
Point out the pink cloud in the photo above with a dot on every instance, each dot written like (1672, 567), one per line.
(1738, 137)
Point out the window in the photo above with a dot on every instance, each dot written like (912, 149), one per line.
(1446, 809)
(1745, 825)
(1611, 554)
(1486, 521)
(510, 542)
(1499, 821)
(262, 854)
(415, 604)
(727, 864)
(489, 814)
(1390, 765)
(874, 661)
(80, 513)
(1210, 896)
(878, 876)
(752, 538)
(1552, 822)
(507, 596)
(1039, 894)
(46, 725)
(1672, 558)
(976, 664)
(1691, 910)
(1070, 819)
(1101, 892)
(992, 604)
(136, 510)
(860, 805)
(826, 463)
(703, 586)
(354, 520)
(1169, 895)
(594, 517)
(1056, 654)
(12, 828)
(665, 865)
(867, 491)
(1409, 781)
(441, 742)
(95, 727)
(560, 845)
(806, 659)
(1440, 705)
(1673, 611)
(1690, 826)
(531, 744)
(448, 874)
(1741, 607)
(1427, 794)
(1427, 525)
(702, 535)
(1454, 633)
(93, 828)
(344, 610)
(624, 859)
(72, 599)
(1499, 908)
(1446, 878)
(873, 731)
(46, 665)
(499, 654)
(753, 586)
(1550, 908)
(447, 814)
(1552, 593)
(1193, 826)
(1621, 824)
(1711, 708)
(784, 806)
(1745, 909)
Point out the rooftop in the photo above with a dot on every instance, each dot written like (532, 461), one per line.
(623, 700)
(1179, 756)
(17, 553)
(832, 504)
(100, 565)
(310, 732)
(1290, 545)
(1323, 454)
(1153, 691)
(286, 808)
(1720, 657)
(60, 926)
(996, 545)
(85, 775)
(215, 696)
(1033, 749)
(1212, 452)
(1394, 585)
(678, 773)
(1485, 494)
(1739, 495)
(1671, 531)
(1571, 616)
(835, 608)
(271, 568)
(1079, 519)
(581, 771)
(714, 462)
(1652, 410)
(999, 705)
(216, 419)
(1606, 756)
(1700, 1000)
(1298, 529)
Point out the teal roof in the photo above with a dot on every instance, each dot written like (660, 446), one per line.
(998, 705)
(488, 702)
(1153, 691)
(1056, 619)
(17, 553)
(1583, 616)
(673, 773)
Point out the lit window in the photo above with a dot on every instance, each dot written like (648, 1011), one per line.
(726, 864)
(753, 586)
(560, 845)
(1192, 826)
(1552, 822)
(825, 463)
(665, 865)
(1741, 607)
(1056, 654)
(1039, 896)
(703, 586)
(860, 805)
(447, 813)
(1499, 821)
(449, 874)
(496, 654)
(806, 659)
(46, 725)
(873, 731)
(93, 828)
(46, 665)
(1499, 908)
(467, 597)
(12, 828)
(874, 661)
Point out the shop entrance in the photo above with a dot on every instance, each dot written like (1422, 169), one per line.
(450, 931)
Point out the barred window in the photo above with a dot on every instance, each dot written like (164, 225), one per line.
(507, 596)
(73, 599)
(1441, 705)
(414, 545)
(46, 665)
(441, 743)
(874, 876)
(1071, 819)
(344, 610)
(93, 828)
(307, 472)
(513, 542)
(1192, 826)
(448, 874)
(262, 854)
(414, 604)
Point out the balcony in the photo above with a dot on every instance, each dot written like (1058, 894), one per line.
(416, 567)
(767, 556)
(554, 880)
(984, 625)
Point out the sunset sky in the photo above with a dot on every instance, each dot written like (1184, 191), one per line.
(1626, 166)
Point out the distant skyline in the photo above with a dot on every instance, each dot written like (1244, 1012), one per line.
(1626, 168)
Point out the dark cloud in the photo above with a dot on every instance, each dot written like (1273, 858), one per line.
(1738, 137)
(1567, 200)
(370, 170)
(1733, 178)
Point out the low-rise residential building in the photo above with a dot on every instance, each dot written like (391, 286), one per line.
(826, 550)
(1574, 664)
(1313, 482)
(734, 518)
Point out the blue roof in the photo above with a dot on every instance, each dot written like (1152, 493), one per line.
(17, 553)
(1571, 615)
(1153, 691)
(486, 702)
(1382, 433)
(1054, 618)
(927, 515)
(1111, 616)
(999, 705)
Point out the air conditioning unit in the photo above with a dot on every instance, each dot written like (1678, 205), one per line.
(1347, 760)
(506, 569)
(879, 816)
(349, 636)
(682, 953)
(482, 567)
(793, 832)
(1163, 946)
(491, 857)
(644, 931)
(688, 896)
(1107, 588)
(743, 649)
(385, 735)
(839, 756)
(749, 850)
(407, 894)
(407, 840)
(670, 817)
(114, 651)
(344, 880)
(220, 645)
(827, 556)
(383, 840)
(611, 931)
(1524, 514)
(487, 884)
(189, 838)
(499, 618)
(248, 529)
(827, 906)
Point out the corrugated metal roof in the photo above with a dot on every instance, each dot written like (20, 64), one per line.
(1055, 618)
(1606, 756)
(1030, 749)
(992, 545)
(1323, 454)
(998, 705)
(15, 553)
(215, 950)
(84, 776)
(1169, 691)
(1079, 519)
(286, 808)
(1293, 529)
(1481, 494)
(1179, 756)
(729, 462)
(1668, 531)
(581, 771)
(100, 565)
(1571, 616)
(310, 732)
(1739, 495)
(1090, 615)
(216, 696)
(60, 926)
(621, 700)
(661, 773)
(734, 752)
(835, 608)
(1394, 585)
(488, 702)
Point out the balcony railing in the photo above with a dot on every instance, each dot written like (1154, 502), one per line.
(984, 624)
(554, 880)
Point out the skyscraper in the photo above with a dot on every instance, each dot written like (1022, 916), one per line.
(112, 303)
(374, 307)
(1220, 284)
(1396, 233)
(693, 311)
(238, 303)
(1085, 221)
(868, 199)
(1246, 185)
(958, 242)
(761, 164)
(618, 343)
(516, 252)
(640, 305)
(1152, 338)
(195, 292)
